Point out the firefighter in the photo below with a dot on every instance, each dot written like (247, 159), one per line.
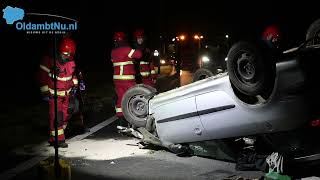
(76, 106)
(146, 67)
(271, 35)
(66, 82)
(122, 57)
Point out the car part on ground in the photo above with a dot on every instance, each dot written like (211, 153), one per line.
(129, 131)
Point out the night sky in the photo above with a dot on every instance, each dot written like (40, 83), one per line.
(21, 53)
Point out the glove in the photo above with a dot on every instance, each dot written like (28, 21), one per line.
(82, 86)
(73, 91)
(45, 96)
(154, 80)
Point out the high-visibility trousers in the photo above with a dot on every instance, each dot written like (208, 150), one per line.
(121, 87)
(62, 116)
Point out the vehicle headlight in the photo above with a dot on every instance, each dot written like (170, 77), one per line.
(162, 61)
(205, 59)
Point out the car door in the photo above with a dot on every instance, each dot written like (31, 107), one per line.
(221, 116)
(179, 122)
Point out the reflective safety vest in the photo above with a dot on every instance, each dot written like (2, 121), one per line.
(123, 67)
(66, 78)
(121, 75)
(154, 74)
(145, 69)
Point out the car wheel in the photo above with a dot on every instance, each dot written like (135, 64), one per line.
(152, 89)
(314, 31)
(248, 71)
(135, 104)
(201, 73)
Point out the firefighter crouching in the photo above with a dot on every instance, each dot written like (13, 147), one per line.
(66, 80)
(122, 57)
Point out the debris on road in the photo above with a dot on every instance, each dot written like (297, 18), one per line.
(129, 131)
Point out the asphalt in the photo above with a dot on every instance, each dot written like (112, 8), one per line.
(12, 158)
(27, 126)
(129, 162)
(107, 154)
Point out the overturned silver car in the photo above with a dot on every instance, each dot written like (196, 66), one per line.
(274, 98)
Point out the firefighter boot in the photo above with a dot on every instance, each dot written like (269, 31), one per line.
(61, 144)
(122, 122)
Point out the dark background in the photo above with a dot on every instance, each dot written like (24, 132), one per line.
(21, 53)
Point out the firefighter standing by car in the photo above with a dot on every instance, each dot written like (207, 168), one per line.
(146, 67)
(272, 36)
(66, 82)
(122, 57)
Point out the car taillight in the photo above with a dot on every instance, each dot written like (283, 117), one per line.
(315, 123)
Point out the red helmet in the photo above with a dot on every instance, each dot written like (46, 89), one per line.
(139, 33)
(119, 36)
(67, 45)
(271, 33)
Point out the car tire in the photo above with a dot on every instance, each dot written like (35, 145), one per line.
(135, 104)
(152, 89)
(314, 30)
(202, 73)
(248, 71)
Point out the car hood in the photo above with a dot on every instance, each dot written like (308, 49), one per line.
(199, 87)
